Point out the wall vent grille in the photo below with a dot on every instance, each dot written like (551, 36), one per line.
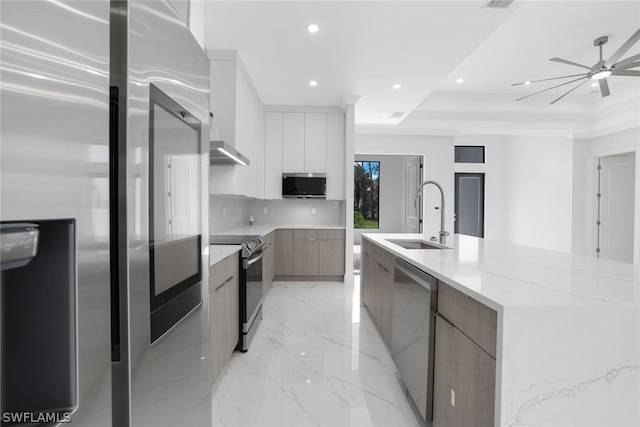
(497, 4)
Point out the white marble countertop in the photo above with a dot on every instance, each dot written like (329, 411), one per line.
(568, 327)
(264, 229)
(219, 252)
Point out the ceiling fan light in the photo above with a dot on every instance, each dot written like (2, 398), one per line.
(602, 74)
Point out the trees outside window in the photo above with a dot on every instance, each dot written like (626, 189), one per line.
(366, 198)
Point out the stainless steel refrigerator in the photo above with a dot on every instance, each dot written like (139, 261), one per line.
(107, 315)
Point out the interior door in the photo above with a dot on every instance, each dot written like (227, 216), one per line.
(413, 176)
(616, 207)
(469, 204)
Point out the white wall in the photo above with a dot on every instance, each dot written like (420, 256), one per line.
(528, 183)
(582, 200)
(437, 152)
(528, 186)
(538, 191)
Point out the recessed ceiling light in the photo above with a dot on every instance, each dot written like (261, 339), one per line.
(397, 86)
(460, 80)
(594, 84)
(313, 83)
(313, 28)
(527, 83)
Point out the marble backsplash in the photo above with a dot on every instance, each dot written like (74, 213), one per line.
(226, 213)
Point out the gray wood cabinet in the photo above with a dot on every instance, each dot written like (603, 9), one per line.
(478, 321)
(331, 257)
(465, 364)
(224, 306)
(376, 284)
(303, 253)
(284, 252)
(268, 262)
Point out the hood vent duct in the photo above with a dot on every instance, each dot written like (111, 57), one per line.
(221, 153)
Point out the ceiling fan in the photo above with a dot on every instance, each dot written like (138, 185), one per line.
(600, 71)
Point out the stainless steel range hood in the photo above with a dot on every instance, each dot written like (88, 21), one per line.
(223, 153)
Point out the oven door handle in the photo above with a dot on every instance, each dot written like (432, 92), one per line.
(252, 260)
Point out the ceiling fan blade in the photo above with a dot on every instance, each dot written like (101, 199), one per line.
(546, 80)
(567, 93)
(553, 87)
(625, 62)
(604, 87)
(626, 73)
(623, 49)
(564, 61)
(627, 66)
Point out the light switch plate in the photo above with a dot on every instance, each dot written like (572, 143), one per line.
(265, 211)
(224, 211)
(313, 211)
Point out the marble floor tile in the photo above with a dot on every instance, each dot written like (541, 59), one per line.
(317, 360)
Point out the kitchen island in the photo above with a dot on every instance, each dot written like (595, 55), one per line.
(567, 351)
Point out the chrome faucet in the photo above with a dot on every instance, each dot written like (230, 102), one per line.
(443, 234)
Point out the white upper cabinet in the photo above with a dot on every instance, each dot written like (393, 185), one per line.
(335, 156)
(311, 142)
(315, 142)
(238, 119)
(273, 156)
(293, 143)
(223, 101)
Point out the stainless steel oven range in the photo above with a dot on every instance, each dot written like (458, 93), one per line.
(250, 283)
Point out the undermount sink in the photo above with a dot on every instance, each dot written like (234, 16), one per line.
(414, 244)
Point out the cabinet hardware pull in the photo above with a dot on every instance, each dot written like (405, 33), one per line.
(449, 324)
(225, 282)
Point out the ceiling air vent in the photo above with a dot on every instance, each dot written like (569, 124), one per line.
(397, 115)
(497, 4)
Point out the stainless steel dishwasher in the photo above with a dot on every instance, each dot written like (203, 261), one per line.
(413, 331)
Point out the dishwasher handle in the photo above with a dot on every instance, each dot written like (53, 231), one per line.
(425, 280)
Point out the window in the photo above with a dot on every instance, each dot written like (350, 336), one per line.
(469, 154)
(366, 197)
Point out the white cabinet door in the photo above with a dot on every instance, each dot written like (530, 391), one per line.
(293, 142)
(223, 100)
(335, 156)
(258, 152)
(315, 142)
(238, 120)
(273, 156)
(243, 143)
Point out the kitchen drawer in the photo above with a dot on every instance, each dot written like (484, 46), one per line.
(301, 234)
(386, 260)
(474, 319)
(270, 238)
(221, 271)
(367, 248)
(330, 234)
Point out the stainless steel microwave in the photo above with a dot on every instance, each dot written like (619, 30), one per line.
(304, 185)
